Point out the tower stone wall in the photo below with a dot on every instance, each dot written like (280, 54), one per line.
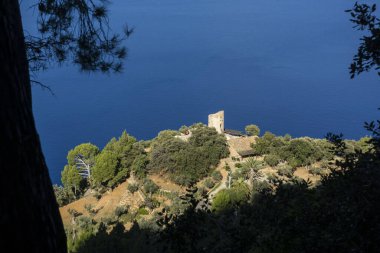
(216, 120)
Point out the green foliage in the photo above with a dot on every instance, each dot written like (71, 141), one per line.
(120, 210)
(90, 209)
(126, 150)
(272, 160)
(63, 195)
(287, 137)
(364, 144)
(151, 203)
(132, 188)
(150, 187)
(70, 176)
(315, 170)
(228, 199)
(142, 211)
(186, 162)
(297, 152)
(252, 130)
(164, 136)
(364, 18)
(285, 170)
(76, 32)
(120, 177)
(264, 144)
(71, 179)
(252, 163)
(241, 173)
(110, 167)
(301, 152)
(260, 187)
(178, 206)
(216, 176)
(209, 183)
(106, 166)
(87, 150)
(139, 166)
(184, 129)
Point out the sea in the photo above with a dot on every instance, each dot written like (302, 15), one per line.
(279, 64)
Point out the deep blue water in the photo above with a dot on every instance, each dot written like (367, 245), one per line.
(280, 64)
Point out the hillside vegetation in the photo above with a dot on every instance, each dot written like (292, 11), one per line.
(178, 191)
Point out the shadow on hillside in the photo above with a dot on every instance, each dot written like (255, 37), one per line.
(339, 215)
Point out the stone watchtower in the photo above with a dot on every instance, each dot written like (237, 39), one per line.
(216, 120)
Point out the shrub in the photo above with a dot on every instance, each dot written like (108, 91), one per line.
(252, 130)
(151, 203)
(201, 193)
(272, 160)
(128, 217)
(260, 186)
(252, 163)
(186, 162)
(106, 220)
(63, 195)
(228, 199)
(142, 211)
(184, 129)
(287, 137)
(217, 176)
(301, 152)
(325, 164)
(209, 183)
(273, 179)
(120, 210)
(238, 165)
(132, 188)
(317, 170)
(294, 162)
(121, 176)
(241, 173)
(150, 187)
(263, 144)
(90, 209)
(139, 166)
(285, 171)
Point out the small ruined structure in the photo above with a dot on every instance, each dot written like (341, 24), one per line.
(241, 147)
(216, 120)
(232, 134)
(239, 143)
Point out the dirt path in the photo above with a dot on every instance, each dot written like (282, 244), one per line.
(221, 168)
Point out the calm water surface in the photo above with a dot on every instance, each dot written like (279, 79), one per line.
(279, 64)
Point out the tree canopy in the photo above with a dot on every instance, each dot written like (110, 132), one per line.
(187, 161)
(76, 31)
(368, 54)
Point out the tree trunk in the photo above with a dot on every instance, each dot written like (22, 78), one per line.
(29, 216)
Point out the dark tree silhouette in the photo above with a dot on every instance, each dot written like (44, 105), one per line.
(70, 30)
(368, 55)
(29, 212)
(77, 31)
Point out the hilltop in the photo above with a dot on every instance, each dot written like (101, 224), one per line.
(203, 168)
